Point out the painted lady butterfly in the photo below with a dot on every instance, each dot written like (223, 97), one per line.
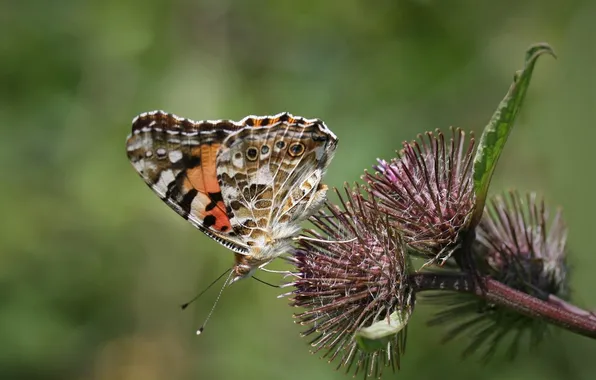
(247, 185)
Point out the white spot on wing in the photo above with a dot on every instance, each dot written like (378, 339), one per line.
(134, 146)
(139, 165)
(175, 156)
(238, 162)
(199, 202)
(264, 176)
(165, 178)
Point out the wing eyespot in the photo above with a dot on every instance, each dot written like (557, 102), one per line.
(296, 149)
(252, 153)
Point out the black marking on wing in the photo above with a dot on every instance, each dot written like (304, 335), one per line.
(214, 197)
(192, 161)
(208, 221)
(173, 190)
(186, 202)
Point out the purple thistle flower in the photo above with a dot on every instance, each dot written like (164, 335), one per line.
(352, 282)
(427, 191)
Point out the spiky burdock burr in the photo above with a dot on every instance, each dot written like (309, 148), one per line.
(351, 279)
(356, 288)
(519, 245)
(427, 193)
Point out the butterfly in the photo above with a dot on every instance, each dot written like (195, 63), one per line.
(248, 185)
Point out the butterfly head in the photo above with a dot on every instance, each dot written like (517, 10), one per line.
(245, 266)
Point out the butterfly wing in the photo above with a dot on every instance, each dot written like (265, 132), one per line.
(177, 158)
(270, 174)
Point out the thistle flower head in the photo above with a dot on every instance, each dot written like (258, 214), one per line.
(519, 245)
(427, 191)
(352, 282)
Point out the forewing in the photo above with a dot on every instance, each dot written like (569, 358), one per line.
(177, 158)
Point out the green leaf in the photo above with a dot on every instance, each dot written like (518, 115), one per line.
(378, 335)
(498, 129)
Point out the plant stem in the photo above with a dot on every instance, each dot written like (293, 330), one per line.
(554, 311)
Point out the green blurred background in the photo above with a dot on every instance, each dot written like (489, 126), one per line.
(93, 265)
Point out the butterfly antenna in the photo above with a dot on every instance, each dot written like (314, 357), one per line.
(325, 241)
(185, 305)
(200, 330)
(266, 283)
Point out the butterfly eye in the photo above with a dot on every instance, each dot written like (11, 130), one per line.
(280, 144)
(265, 149)
(252, 153)
(296, 149)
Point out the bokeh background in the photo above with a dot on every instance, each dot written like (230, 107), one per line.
(93, 266)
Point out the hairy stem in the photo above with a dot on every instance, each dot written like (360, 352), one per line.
(554, 311)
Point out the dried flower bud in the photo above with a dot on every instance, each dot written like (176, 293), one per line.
(352, 280)
(428, 192)
(520, 246)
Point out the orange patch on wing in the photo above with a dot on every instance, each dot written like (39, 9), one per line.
(222, 222)
(203, 178)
